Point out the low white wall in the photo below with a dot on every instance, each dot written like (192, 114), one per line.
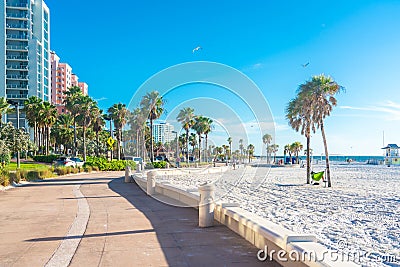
(294, 249)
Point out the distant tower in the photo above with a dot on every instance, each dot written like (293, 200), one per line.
(25, 46)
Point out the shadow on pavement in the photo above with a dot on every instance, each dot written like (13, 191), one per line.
(183, 243)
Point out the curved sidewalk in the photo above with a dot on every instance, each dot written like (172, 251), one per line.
(124, 227)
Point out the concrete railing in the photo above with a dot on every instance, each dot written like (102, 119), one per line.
(285, 246)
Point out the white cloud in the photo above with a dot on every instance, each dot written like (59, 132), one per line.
(389, 109)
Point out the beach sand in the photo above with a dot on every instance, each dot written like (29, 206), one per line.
(360, 213)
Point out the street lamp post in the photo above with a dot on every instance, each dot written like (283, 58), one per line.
(16, 105)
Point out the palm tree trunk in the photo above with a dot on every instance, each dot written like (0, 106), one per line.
(151, 141)
(119, 144)
(48, 140)
(75, 145)
(35, 136)
(98, 144)
(328, 172)
(187, 146)
(207, 152)
(308, 157)
(84, 141)
(199, 148)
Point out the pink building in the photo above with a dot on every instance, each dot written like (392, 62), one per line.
(62, 79)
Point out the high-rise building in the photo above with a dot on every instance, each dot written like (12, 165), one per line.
(62, 80)
(25, 56)
(162, 132)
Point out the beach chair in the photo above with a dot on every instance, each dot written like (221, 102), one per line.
(316, 177)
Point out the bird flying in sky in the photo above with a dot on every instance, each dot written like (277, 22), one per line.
(196, 49)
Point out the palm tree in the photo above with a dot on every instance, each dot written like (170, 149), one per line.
(31, 109)
(250, 150)
(186, 118)
(298, 113)
(153, 104)
(286, 150)
(4, 108)
(267, 138)
(98, 125)
(119, 114)
(296, 148)
(274, 148)
(48, 114)
(137, 121)
(62, 131)
(72, 103)
(208, 127)
(200, 126)
(229, 140)
(193, 141)
(320, 91)
(241, 147)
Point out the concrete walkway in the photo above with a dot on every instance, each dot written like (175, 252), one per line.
(97, 220)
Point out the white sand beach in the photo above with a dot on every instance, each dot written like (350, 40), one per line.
(360, 213)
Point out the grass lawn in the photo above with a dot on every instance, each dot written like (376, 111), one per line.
(26, 166)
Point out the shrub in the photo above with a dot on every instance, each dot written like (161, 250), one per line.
(61, 170)
(4, 178)
(87, 169)
(45, 158)
(32, 175)
(74, 170)
(43, 174)
(102, 164)
(160, 164)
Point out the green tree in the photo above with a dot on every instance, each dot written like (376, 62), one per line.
(119, 113)
(267, 138)
(98, 125)
(320, 91)
(296, 148)
(186, 118)
(241, 147)
(48, 116)
(31, 109)
(200, 126)
(72, 103)
(250, 151)
(229, 140)
(4, 108)
(16, 139)
(153, 104)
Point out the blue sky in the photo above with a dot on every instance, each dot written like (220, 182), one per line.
(116, 48)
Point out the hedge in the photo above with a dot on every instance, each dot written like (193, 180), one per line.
(45, 158)
(102, 164)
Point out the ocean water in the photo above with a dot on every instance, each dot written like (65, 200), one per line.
(338, 159)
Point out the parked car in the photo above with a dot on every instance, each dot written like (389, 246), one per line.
(65, 162)
(78, 162)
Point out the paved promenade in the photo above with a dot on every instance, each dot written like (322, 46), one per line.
(97, 220)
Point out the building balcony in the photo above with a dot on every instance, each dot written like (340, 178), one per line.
(17, 86)
(19, 27)
(17, 37)
(17, 57)
(17, 96)
(17, 16)
(17, 67)
(17, 48)
(17, 77)
(19, 6)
